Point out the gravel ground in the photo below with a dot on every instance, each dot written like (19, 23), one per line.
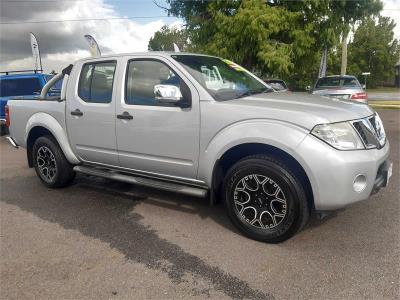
(105, 240)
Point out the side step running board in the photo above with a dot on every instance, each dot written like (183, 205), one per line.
(162, 185)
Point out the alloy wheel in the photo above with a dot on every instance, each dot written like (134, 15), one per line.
(46, 163)
(260, 201)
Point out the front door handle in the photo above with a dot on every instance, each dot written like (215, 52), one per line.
(77, 112)
(125, 116)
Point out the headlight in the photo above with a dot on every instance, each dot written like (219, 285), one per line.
(341, 136)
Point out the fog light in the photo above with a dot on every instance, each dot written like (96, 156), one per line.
(359, 183)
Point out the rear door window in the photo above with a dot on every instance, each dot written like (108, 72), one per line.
(96, 82)
(20, 87)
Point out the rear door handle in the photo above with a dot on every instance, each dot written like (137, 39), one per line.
(77, 112)
(125, 116)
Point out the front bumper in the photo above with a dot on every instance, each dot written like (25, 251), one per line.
(333, 173)
(383, 176)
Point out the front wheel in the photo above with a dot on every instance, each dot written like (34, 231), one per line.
(50, 164)
(264, 199)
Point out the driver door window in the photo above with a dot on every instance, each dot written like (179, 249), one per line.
(142, 77)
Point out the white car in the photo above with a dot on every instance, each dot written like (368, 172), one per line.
(344, 87)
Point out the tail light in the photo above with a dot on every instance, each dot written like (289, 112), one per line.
(359, 96)
(7, 111)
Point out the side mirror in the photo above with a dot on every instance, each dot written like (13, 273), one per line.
(165, 93)
(308, 88)
(364, 86)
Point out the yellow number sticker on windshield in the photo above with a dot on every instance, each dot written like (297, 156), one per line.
(233, 65)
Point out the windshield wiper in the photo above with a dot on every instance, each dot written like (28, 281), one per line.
(253, 92)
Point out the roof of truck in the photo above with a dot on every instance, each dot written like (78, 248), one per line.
(149, 53)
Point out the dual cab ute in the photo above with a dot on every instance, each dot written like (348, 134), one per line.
(204, 126)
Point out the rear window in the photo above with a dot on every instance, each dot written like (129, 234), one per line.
(331, 82)
(20, 87)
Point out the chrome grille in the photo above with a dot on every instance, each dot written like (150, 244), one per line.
(371, 131)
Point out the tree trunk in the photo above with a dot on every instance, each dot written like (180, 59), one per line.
(344, 52)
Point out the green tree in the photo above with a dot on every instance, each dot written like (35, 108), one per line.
(254, 33)
(275, 37)
(346, 13)
(166, 37)
(374, 49)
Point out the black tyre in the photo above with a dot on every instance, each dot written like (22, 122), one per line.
(264, 199)
(50, 163)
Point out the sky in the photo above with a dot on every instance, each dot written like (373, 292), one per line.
(61, 43)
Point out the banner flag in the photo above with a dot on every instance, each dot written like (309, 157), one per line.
(36, 52)
(176, 48)
(93, 46)
(322, 66)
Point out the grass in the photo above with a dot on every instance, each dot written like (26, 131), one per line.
(384, 89)
(384, 104)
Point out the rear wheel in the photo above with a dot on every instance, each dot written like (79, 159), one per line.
(264, 199)
(50, 163)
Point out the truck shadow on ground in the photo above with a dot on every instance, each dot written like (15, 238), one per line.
(103, 210)
(177, 202)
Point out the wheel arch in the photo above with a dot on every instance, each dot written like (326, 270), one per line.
(42, 124)
(238, 152)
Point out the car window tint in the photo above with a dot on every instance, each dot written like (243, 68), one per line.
(142, 76)
(328, 82)
(337, 82)
(20, 87)
(350, 82)
(96, 82)
(222, 78)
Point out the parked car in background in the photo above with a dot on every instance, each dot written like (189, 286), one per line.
(344, 87)
(277, 84)
(22, 86)
(200, 125)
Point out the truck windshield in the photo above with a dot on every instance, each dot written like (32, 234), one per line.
(223, 79)
(20, 87)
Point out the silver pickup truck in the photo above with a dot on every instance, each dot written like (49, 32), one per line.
(204, 126)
